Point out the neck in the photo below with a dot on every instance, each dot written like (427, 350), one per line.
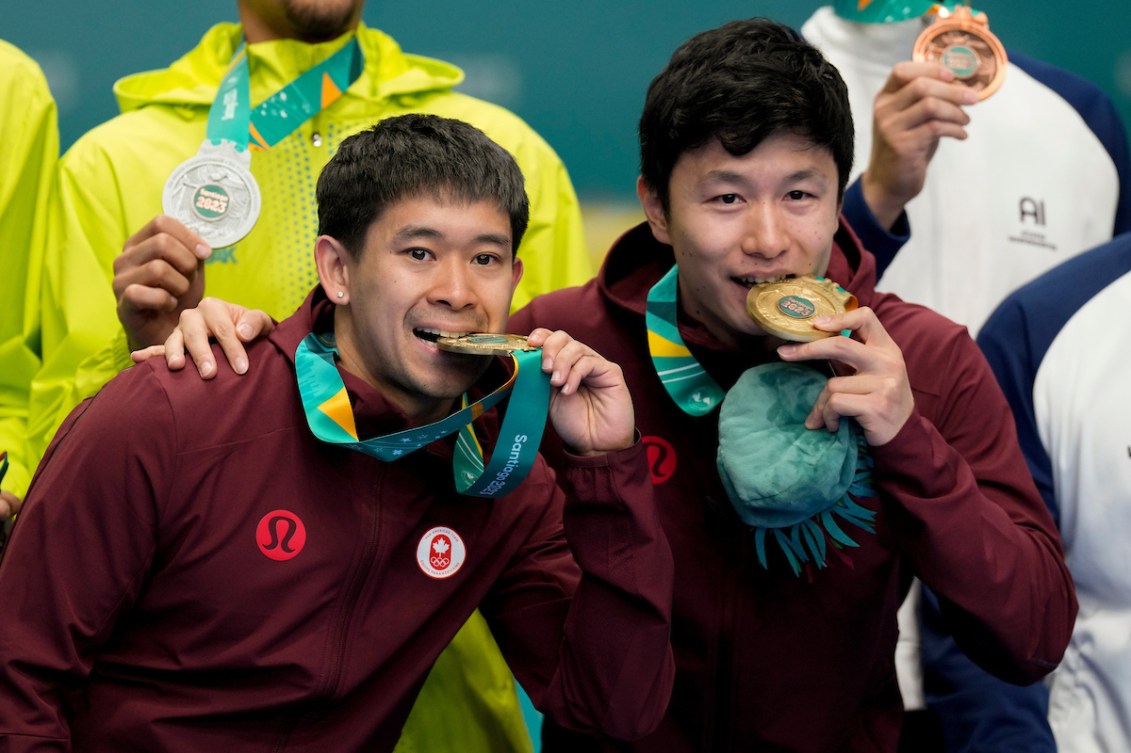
(419, 409)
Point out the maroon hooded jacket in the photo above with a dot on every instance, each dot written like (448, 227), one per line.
(193, 570)
(770, 661)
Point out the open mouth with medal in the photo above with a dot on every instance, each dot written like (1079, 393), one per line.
(963, 42)
(479, 343)
(787, 307)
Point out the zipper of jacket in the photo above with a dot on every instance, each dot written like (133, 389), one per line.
(722, 715)
(343, 619)
(356, 585)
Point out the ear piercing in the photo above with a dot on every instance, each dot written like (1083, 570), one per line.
(341, 294)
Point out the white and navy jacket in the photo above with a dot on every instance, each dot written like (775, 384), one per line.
(1037, 181)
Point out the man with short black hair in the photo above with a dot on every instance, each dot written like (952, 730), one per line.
(801, 484)
(274, 561)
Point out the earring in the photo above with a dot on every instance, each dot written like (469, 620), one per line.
(341, 294)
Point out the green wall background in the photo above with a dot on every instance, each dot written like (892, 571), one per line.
(575, 71)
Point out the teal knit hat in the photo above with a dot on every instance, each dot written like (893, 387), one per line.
(784, 480)
(884, 11)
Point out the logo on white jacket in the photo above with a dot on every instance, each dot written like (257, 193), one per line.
(440, 553)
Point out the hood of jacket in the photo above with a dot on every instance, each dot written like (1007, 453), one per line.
(192, 80)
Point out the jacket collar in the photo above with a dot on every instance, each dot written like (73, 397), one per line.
(192, 80)
(373, 413)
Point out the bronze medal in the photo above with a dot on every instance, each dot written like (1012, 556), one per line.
(484, 344)
(786, 308)
(964, 43)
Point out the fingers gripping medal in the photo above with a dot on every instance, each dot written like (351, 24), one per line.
(786, 308)
(964, 43)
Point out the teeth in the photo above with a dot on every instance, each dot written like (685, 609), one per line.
(428, 333)
(761, 280)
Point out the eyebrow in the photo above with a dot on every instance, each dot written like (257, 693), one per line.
(414, 232)
(730, 176)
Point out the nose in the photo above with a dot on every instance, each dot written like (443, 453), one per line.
(764, 233)
(452, 285)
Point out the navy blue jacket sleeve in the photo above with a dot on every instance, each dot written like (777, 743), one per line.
(978, 713)
(884, 243)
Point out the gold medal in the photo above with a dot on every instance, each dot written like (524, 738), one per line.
(484, 344)
(786, 308)
(964, 43)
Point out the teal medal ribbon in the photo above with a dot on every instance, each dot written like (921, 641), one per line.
(232, 119)
(693, 390)
(299, 101)
(214, 193)
(229, 118)
(787, 483)
(889, 11)
(329, 414)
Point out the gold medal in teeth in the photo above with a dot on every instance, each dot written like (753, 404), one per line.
(484, 344)
(787, 308)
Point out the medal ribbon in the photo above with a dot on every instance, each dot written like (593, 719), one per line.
(330, 417)
(231, 117)
(693, 390)
(891, 11)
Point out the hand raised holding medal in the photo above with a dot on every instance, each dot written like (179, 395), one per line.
(211, 201)
(963, 42)
(606, 421)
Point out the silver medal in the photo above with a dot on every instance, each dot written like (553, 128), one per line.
(214, 194)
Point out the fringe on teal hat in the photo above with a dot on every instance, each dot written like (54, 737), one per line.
(789, 483)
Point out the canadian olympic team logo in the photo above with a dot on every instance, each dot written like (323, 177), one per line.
(440, 553)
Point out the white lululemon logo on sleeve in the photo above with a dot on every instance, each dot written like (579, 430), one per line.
(440, 553)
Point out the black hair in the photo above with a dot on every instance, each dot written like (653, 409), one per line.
(410, 156)
(741, 83)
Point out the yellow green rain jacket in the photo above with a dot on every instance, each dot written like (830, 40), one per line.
(30, 149)
(110, 186)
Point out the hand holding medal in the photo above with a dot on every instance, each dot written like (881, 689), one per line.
(591, 410)
(963, 42)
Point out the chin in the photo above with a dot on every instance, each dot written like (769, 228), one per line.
(320, 21)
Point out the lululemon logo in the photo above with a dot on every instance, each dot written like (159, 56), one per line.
(661, 458)
(440, 553)
(280, 535)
